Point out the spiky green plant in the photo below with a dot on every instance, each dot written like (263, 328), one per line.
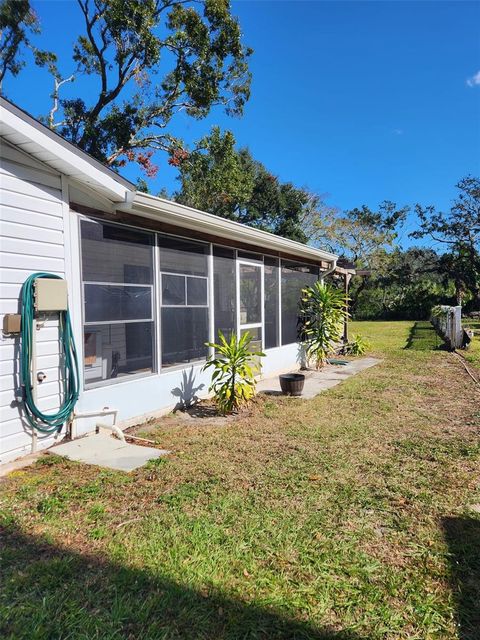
(234, 364)
(357, 346)
(323, 313)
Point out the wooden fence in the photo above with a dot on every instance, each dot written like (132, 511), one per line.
(448, 324)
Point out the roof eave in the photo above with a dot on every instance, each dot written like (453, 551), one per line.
(22, 130)
(186, 217)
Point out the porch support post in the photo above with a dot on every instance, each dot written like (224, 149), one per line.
(348, 277)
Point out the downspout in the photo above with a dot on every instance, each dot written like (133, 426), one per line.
(329, 271)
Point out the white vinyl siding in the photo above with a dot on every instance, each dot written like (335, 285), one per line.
(32, 239)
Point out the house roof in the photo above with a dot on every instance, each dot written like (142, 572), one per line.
(149, 206)
(25, 132)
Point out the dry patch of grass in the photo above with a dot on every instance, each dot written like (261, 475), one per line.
(349, 516)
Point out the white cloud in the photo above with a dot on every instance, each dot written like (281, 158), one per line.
(474, 81)
(398, 132)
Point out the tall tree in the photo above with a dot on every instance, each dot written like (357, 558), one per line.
(222, 180)
(459, 231)
(360, 235)
(151, 59)
(357, 234)
(18, 23)
(213, 176)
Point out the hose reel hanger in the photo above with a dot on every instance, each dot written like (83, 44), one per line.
(44, 294)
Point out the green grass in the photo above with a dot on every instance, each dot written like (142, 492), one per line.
(472, 354)
(347, 517)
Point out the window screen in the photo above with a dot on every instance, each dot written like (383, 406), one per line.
(254, 257)
(250, 294)
(183, 256)
(184, 285)
(104, 303)
(224, 291)
(271, 271)
(184, 334)
(295, 277)
(116, 254)
(117, 271)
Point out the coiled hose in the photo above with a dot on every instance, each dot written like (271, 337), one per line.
(44, 422)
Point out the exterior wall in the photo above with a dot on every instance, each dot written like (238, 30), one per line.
(138, 398)
(39, 232)
(157, 394)
(32, 239)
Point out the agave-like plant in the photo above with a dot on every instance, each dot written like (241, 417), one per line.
(357, 346)
(323, 311)
(235, 365)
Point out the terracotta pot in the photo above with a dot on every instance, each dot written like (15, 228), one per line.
(292, 383)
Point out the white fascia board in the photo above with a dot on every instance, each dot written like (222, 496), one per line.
(68, 159)
(186, 217)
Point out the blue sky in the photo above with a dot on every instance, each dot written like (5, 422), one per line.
(363, 101)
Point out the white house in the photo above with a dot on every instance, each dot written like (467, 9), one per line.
(149, 283)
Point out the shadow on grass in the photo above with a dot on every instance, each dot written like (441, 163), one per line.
(463, 539)
(423, 337)
(51, 592)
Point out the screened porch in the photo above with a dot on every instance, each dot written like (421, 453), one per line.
(151, 301)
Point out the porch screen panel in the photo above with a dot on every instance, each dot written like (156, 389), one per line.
(272, 273)
(117, 273)
(295, 277)
(184, 300)
(224, 291)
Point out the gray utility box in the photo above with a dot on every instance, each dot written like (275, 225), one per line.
(50, 295)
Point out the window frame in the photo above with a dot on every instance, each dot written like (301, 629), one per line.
(154, 304)
(160, 305)
(185, 278)
(278, 323)
(252, 325)
(285, 262)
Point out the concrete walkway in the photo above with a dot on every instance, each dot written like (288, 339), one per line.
(318, 381)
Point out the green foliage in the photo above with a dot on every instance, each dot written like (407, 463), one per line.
(357, 346)
(218, 178)
(18, 22)
(404, 285)
(233, 378)
(171, 56)
(437, 312)
(459, 230)
(323, 312)
(152, 59)
(213, 176)
(358, 234)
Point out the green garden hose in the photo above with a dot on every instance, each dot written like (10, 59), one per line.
(43, 422)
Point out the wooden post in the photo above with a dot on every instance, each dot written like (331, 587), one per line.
(348, 277)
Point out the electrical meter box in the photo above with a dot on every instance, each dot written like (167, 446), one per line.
(50, 294)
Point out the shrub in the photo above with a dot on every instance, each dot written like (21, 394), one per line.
(233, 378)
(323, 313)
(357, 346)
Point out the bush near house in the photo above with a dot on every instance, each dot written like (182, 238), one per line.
(234, 365)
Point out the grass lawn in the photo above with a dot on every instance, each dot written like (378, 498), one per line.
(352, 516)
(472, 354)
